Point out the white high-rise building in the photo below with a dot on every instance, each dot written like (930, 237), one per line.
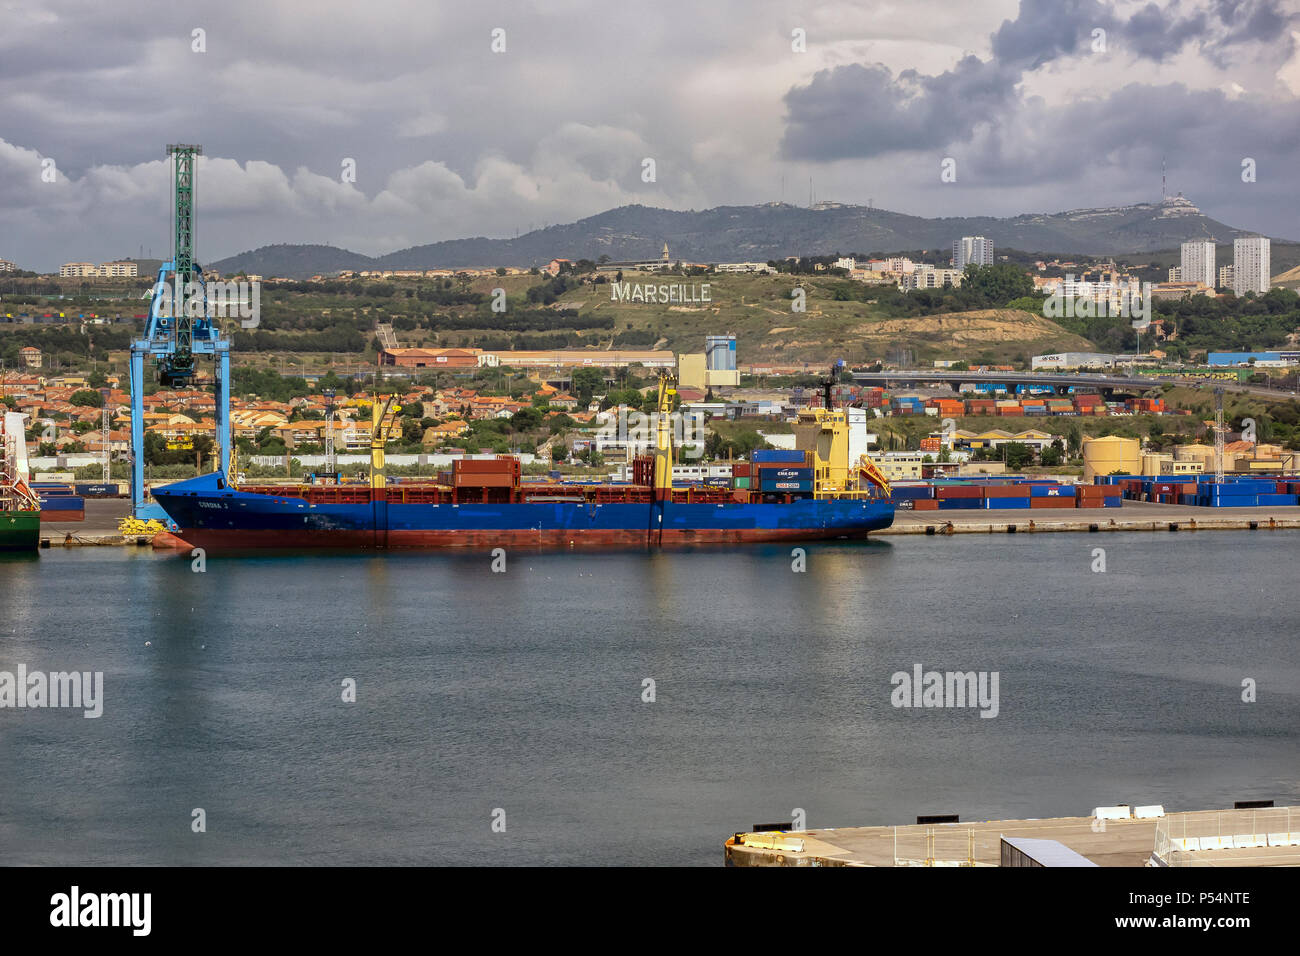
(972, 250)
(1198, 263)
(1250, 265)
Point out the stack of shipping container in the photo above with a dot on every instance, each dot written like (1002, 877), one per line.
(1236, 491)
(58, 503)
(783, 472)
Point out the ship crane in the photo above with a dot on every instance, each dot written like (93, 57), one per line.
(178, 331)
(832, 449)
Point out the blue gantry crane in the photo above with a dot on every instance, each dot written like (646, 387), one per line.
(178, 330)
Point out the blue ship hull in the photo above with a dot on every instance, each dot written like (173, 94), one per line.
(213, 516)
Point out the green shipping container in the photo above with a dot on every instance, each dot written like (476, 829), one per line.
(740, 483)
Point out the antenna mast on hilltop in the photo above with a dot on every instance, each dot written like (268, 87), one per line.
(1163, 194)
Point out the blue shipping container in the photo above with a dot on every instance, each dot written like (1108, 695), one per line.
(910, 492)
(97, 491)
(788, 474)
(1053, 491)
(1279, 499)
(778, 455)
(953, 504)
(993, 504)
(62, 503)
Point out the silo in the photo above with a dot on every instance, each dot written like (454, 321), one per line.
(1101, 456)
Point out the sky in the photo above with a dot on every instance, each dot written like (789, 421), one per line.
(393, 123)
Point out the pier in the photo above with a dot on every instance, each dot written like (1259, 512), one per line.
(1260, 837)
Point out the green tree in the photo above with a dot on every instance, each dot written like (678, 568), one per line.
(586, 382)
(87, 398)
(1018, 455)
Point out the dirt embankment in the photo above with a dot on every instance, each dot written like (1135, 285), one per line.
(984, 327)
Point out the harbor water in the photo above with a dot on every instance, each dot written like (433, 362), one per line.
(508, 717)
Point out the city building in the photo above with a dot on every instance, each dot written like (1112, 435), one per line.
(1175, 274)
(714, 367)
(926, 277)
(31, 356)
(972, 250)
(7, 266)
(1250, 264)
(1069, 360)
(1198, 263)
(1225, 277)
(430, 358)
(105, 270)
(1278, 359)
(760, 267)
(1176, 290)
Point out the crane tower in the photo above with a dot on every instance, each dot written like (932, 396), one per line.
(180, 327)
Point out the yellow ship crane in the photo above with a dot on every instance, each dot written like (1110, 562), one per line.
(378, 439)
(663, 463)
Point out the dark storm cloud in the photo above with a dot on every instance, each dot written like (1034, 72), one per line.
(1046, 29)
(861, 111)
(864, 111)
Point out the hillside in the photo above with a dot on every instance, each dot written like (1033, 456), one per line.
(756, 309)
(773, 230)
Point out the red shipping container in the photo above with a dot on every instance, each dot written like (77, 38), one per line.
(1055, 502)
(1088, 503)
(1006, 491)
(958, 491)
(484, 480)
(488, 466)
(925, 504)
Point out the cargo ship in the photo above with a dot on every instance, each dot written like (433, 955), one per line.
(20, 509)
(817, 493)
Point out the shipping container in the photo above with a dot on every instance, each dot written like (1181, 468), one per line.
(1006, 491)
(1052, 491)
(958, 491)
(995, 504)
(1274, 500)
(950, 504)
(484, 480)
(1055, 502)
(911, 492)
(772, 484)
(921, 504)
(778, 455)
(100, 490)
(485, 466)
